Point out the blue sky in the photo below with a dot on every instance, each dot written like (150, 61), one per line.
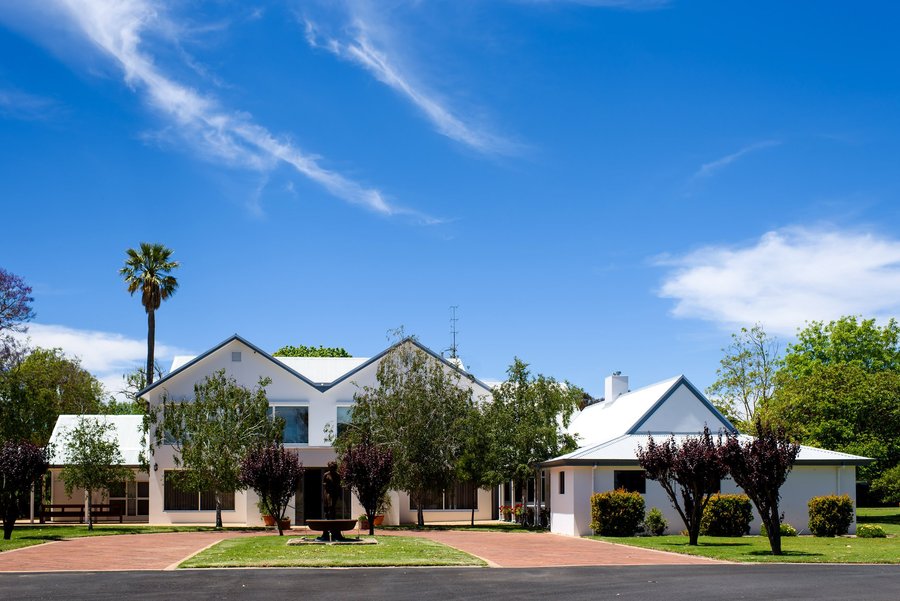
(598, 185)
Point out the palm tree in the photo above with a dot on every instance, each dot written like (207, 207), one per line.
(148, 270)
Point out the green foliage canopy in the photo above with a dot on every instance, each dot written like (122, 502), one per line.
(311, 351)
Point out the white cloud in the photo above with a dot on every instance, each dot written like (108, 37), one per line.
(28, 107)
(361, 49)
(788, 277)
(118, 29)
(708, 169)
(623, 4)
(107, 355)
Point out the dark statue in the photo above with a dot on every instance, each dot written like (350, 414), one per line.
(332, 493)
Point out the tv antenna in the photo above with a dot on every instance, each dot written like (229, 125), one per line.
(453, 331)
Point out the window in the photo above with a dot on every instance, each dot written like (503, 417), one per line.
(130, 498)
(176, 498)
(236, 356)
(459, 496)
(630, 480)
(296, 423)
(343, 418)
(562, 483)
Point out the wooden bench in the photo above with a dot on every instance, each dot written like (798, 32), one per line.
(71, 510)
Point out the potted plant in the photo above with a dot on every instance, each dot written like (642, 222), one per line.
(507, 511)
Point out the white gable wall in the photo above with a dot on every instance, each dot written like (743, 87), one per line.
(682, 411)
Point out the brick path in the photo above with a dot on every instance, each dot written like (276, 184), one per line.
(533, 550)
(111, 552)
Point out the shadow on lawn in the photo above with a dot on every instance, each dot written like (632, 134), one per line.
(879, 519)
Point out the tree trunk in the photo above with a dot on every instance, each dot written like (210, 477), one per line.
(219, 513)
(90, 514)
(370, 516)
(773, 530)
(151, 343)
(9, 519)
(474, 502)
(521, 518)
(694, 527)
(420, 515)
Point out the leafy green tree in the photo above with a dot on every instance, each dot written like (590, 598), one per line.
(745, 379)
(840, 389)
(529, 416)
(417, 411)
(21, 464)
(311, 351)
(40, 388)
(214, 431)
(148, 270)
(93, 461)
(888, 485)
(478, 463)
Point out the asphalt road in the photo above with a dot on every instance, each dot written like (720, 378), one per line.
(668, 583)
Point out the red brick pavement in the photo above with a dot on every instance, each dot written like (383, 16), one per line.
(533, 550)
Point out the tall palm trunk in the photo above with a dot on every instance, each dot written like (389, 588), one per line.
(151, 343)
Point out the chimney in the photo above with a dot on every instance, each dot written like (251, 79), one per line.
(615, 386)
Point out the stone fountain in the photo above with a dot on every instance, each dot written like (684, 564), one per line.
(330, 527)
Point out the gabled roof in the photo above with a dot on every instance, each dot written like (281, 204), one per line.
(127, 429)
(623, 451)
(338, 370)
(626, 414)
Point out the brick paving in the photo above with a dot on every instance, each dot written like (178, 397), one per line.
(112, 552)
(537, 550)
(166, 550)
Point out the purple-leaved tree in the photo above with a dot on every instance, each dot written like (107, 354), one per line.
(274, 473)
(693, 468)
(21, 463)
(367, 469)
(760, 465)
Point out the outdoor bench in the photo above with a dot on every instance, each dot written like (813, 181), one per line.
(66, 510)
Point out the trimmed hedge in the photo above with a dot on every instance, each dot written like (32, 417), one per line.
(616, 513)
(727, 515)
(830, 515)
(786, 530)
(655, 523)
(870, 531)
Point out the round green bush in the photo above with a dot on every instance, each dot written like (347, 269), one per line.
(616, 513)
(870, 531)
(786, 530)
(727, 515)
(655, 523)
(830, 515)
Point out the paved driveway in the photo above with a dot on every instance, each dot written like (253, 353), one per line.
(113, 552)
(535, 550)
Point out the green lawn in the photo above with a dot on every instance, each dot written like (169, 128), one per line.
(273, 551)
(800, 549)
(27, 535)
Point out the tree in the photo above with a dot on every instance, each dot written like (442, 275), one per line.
(15, 311)
(888, 485)
(214, 431)
(367, 469)
(839, 389)
(760, 466)
(148, 271)
(273, 473)
(93, 460)
(417, 410)
(311, 351)
(21, 464)
(746, 376)
(529, 416)
(478, 461)
(40, 388)
(692, 469)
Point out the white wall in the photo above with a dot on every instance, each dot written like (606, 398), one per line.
(570, 512)
(569, 515)
(682, 412)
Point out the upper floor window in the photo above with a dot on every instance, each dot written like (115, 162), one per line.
(296, 423)
(343, 419)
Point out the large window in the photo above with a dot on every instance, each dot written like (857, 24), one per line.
(176, 498)
(296, 423)
(130, 498)
(343, 418)
(459, 496)
(630, 480)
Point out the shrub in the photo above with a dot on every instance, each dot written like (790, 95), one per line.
(830, 515)
(870, 531)
(655, 523)
(616, 513)
(786, 530)
(727, 515)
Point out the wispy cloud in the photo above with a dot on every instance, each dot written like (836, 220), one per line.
(107, 355)
(15, 104)
(118, 28)
(786, 278)
(623, 4)
(708, 169)
(361, 49)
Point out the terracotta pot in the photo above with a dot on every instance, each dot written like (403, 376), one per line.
(268, 520)
(364, 523)
(285, 523)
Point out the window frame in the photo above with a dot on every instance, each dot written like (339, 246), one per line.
(273, 407)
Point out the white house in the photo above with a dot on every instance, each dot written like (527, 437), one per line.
(313, 395)
(612, 429)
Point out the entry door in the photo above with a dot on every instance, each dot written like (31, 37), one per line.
(309, 496)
